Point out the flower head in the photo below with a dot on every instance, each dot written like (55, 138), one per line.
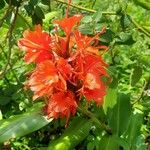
(67, 68)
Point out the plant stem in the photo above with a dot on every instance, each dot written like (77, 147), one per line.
(94, 119)
(138, 26)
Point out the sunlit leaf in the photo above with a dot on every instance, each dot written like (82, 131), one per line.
(133, 130)
(72, 136)
(119, 116)
(20, 125)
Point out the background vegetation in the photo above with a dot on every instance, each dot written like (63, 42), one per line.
(123, 122)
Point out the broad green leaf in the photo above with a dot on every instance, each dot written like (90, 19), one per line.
(118, 117)
(110, 99)
(141, 144)
(73, 135)
(133, 130)
(112, 142)
(136, 75)
(108, 143)
(143, 3)
(39, 12)
(90, 146)
(20, 125)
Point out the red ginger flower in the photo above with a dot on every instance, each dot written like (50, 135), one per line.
(93, 70)
(61, 104)
(66, 67)
(43, 79)
(36, 44)
(67, 24)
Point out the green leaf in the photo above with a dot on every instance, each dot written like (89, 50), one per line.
(136, 75)
(86, 29)
(107, 37)
(143, 3)
(118, 117)
(124, 21)
(46, 2)
(108, 143)
(97, 16)
(2, 4)
(33, 2)
(4, 99)
(133, 130)
(49, 16)
(90, 146)
(125, 39)
(87, 19)
(13, 2)
(77, 131)
(20, 125)
(39, 12)
(112, 142)
(110, 99)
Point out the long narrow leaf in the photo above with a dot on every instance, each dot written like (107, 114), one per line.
(21, 125)
(77, 132)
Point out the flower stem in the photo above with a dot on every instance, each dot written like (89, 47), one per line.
(94, 119)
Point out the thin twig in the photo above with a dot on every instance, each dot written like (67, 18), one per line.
(138, 26)
(9, 36)
(146, 85)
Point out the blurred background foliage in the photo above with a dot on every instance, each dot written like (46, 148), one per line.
(126, 110)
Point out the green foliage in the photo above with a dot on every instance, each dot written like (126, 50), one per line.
(122, 123)
(72, 135)
(20, 125)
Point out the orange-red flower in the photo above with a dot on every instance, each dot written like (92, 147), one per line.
(67, 24)
(43, 79)
(61, 104)
(36, 44)
(67, 68)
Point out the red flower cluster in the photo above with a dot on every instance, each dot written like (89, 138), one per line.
(67, 68)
